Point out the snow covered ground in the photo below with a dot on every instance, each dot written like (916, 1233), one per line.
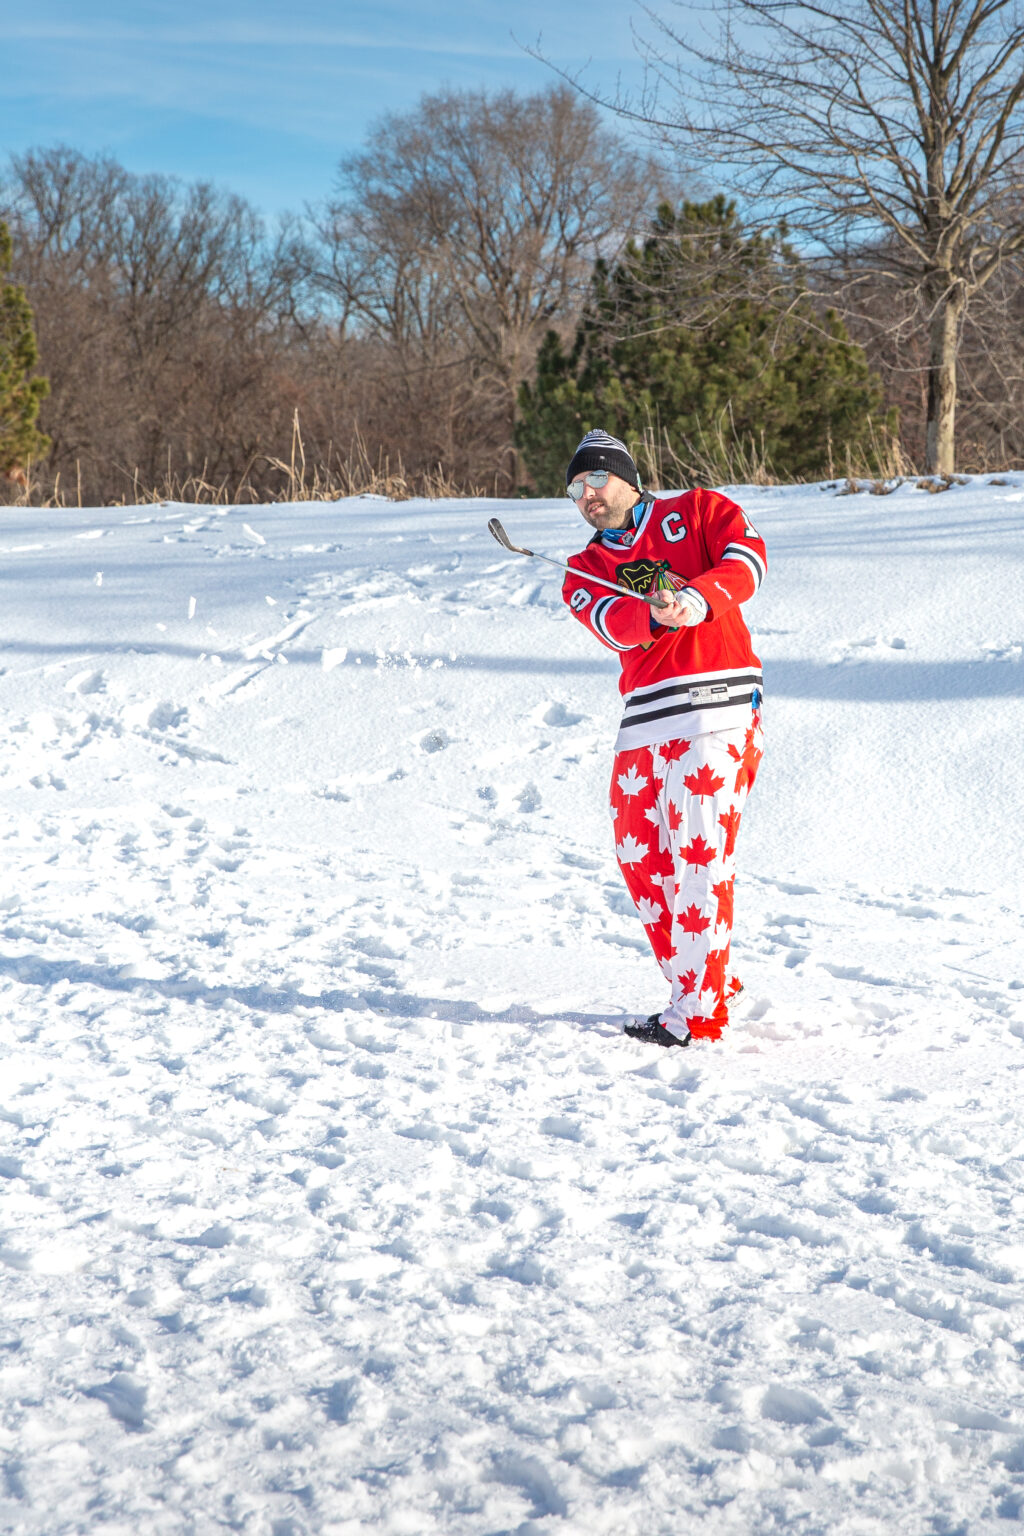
(333, 1199)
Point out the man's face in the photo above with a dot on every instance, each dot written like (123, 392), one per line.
(608, 506)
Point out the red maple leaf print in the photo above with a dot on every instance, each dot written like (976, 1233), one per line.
(702, 1028)
(724, 894)
(672, 751)
(631, 780)
(731, 822)
(749, 760)
(688, 980)
(691, 920)
(698, 853)
(674, 817)
(714, 971)
(703, 782)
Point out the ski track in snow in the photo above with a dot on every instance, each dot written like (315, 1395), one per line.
(332, 1197)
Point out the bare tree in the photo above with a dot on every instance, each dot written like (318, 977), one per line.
(158, 318)
(182, 341)
(992, 369)
(889, 133)
(468, 227)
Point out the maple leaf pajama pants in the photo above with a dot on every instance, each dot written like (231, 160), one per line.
(677, 809)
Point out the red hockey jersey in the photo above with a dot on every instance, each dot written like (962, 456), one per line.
(677, 682)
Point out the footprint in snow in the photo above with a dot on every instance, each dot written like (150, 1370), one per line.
(86, 682)
(577, 861)
(852, 650)
(167, 716)
(47, 781)
(435, 740)
(559, 716)
(529, 799)
(791, 1405)
(333, 791)
(226, 865)
(124, 1399)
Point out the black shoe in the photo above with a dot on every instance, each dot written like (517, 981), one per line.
(653, 1032)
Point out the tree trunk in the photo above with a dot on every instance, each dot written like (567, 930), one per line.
(944, 338)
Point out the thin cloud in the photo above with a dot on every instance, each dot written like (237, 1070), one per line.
(249, 36)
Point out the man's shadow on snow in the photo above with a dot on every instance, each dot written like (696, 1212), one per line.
(850, 680)
(31, 970)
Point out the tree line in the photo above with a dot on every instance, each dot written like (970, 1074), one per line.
(494, 273)
(382, 338)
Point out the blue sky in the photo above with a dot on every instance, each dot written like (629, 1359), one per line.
(264, 98)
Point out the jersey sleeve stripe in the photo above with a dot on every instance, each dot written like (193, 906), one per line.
(750, 556)
(598, 617)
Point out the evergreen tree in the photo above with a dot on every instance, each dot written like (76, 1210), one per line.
(704, 351)
(20, 396)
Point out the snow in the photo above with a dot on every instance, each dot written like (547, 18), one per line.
(332, 1198)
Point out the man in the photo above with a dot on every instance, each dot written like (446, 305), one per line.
(690, 740)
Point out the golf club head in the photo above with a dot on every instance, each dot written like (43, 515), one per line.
(503, 539)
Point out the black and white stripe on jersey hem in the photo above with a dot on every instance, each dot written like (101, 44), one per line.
(597, 618)
(750, 557)
(681, 696)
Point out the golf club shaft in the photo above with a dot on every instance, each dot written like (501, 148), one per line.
(597, 580)
(594, 580)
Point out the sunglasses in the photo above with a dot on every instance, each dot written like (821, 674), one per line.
(597, 479)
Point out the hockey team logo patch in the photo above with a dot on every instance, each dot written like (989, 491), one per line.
(640, 575)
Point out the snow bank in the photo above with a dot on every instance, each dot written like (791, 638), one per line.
(331, 1196)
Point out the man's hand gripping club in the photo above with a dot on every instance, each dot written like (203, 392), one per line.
(674, 610)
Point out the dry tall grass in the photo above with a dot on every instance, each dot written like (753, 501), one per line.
(716, 457)
(354, 473)
(720, 455)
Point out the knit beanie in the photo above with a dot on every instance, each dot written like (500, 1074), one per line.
(599, 450)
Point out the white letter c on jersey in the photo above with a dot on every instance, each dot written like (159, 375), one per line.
(673, 535)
